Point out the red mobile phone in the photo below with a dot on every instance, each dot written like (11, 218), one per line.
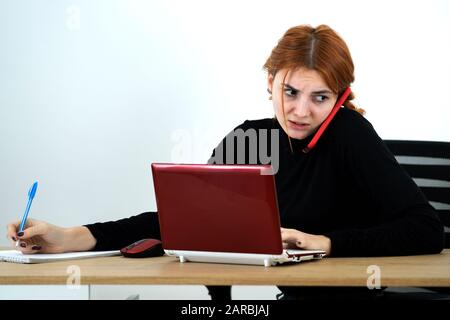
(327, 121)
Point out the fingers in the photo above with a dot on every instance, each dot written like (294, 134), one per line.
(35, 230)
(302, 244)
(11, 230)
(290, 238)
(293, 238)
(291, 235)
(24, 242)
(28, 247)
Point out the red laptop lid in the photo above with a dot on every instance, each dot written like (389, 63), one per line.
(222, 208)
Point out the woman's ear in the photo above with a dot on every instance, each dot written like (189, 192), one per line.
(270, 83)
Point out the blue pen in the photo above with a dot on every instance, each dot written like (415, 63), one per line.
(31, 194)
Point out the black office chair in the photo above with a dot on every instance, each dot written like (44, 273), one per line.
(428, 163)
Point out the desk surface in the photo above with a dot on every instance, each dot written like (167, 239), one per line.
(412, 271)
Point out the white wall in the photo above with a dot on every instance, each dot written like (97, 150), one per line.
(92, 92)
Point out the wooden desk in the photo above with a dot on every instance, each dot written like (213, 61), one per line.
(409, 271)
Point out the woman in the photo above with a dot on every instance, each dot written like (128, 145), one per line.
(347, 196)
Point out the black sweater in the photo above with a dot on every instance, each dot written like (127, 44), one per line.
(349, 188)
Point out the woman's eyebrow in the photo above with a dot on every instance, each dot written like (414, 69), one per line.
(321, 91)
(290, 87)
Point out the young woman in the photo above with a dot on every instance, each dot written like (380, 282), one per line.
(347, 195)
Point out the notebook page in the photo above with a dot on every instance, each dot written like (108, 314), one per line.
(18, 257)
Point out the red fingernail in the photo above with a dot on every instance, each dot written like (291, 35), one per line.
(20, 233)
(36, 248)
(14, 238)
(23, 244)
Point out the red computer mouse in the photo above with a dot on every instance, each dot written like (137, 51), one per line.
(143, 248)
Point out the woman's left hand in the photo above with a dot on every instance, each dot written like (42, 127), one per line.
(295, 239)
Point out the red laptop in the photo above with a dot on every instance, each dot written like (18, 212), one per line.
(221, 213)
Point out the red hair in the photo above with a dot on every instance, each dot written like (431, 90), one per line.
(320, 49)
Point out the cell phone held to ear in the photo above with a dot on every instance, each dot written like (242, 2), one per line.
(327, 121)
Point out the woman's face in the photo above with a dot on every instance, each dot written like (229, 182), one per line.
(307, 101)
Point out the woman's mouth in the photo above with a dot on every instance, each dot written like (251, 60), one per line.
(298, 125)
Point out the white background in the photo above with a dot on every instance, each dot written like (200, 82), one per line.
(92, 92)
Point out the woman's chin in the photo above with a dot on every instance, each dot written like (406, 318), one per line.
(298, 135)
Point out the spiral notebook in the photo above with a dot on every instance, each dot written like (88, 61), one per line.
(18, 257)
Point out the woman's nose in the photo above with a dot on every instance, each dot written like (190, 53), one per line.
(302, 108)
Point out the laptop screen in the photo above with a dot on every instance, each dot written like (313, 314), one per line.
(218, 208)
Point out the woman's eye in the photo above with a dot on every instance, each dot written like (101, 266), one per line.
(290, 92)
(320, 99)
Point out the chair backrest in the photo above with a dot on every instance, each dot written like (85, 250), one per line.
(428, 163)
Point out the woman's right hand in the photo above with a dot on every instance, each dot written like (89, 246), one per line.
(43, 237)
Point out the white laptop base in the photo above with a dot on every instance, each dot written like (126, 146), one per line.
(266, 260)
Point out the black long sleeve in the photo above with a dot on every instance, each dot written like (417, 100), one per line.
(114, 235)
